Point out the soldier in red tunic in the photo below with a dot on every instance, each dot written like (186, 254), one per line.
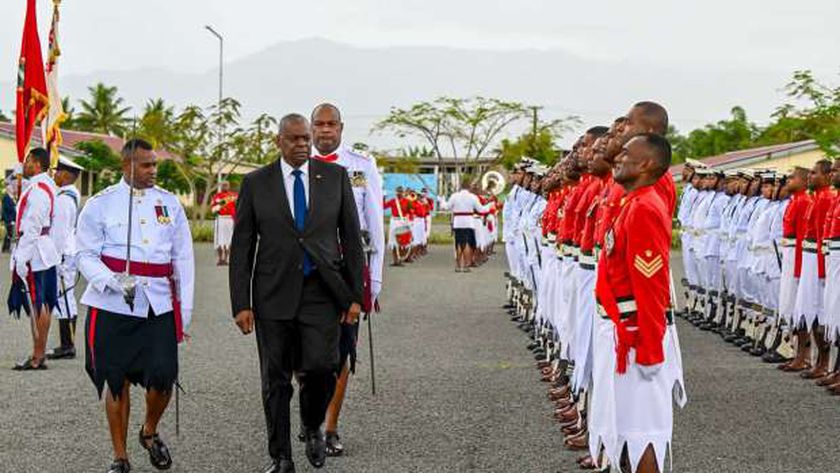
(223, 206)
(632, 290)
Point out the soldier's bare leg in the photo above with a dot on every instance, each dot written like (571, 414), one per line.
(823, 352)
(42, 323)
(647, 464)
(803, 351)
(334, 409)
(156, 403)
(118, 410)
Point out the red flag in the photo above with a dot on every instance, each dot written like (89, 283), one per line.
(32, 100)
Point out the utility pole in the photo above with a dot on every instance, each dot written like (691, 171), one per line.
(534, 122)
(221, 92)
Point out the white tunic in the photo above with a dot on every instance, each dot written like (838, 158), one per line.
(160, 235)
(64, 230)
(367, 190)
(34, 247)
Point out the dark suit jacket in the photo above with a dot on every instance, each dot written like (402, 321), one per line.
(266, 254)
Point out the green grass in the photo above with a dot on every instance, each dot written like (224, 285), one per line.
(202, 232)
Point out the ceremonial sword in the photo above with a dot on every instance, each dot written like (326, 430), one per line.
(368, 315)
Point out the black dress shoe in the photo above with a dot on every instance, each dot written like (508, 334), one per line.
(120, 466)
(281, 466)
(758, 351)
(333, 445)
(773, 357)
(62, 353)
(316, 449)
(159, 455)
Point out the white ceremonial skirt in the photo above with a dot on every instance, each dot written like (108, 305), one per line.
(688, 260)
(418, 232)
(645, 409)
(556, 295)
(223, 231)
(66, 308)
(788, 285)
(832, 295)
(714, 271)
(601, 412)
(809, 295)
(511, 254)
(583, 329)
(547, 272)
(568, 315)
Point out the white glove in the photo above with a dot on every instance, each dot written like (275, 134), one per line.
(22, 269)
(113, 284)
(375, 289)
(650, 371)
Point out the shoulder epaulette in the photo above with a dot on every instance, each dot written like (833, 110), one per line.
(105, 191)
(165, 191)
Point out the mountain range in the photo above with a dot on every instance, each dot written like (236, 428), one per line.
(366, 82)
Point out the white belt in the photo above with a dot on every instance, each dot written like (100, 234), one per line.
(809, 245)
(586, 259)
(625, 309)
(787, 242)
(833, 245)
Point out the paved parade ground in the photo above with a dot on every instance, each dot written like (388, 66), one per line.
(456, 391)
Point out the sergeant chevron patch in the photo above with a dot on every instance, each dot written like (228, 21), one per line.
(647, 266)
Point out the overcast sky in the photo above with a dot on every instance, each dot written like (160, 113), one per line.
(714, 35)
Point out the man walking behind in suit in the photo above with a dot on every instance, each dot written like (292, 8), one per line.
(296, 287)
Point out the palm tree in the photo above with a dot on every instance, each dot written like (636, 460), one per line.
(69, 122)
(104, 113)
(157, 123)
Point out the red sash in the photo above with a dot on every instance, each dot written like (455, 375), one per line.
(152, 270)
(25, 200)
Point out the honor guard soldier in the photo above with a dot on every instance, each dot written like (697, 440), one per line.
(793, 229)
(135, 250)
(811, 291)
(35, 257)
(223, 206)
(632, 290)
(64, 228)
(327, 129)
(831, 247)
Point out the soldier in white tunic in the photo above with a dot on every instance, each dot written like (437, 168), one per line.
(64, 227)
(140, 276)
(327, 129)
(35, 257)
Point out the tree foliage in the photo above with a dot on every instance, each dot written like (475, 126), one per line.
(811, 112)
(103, 112)
(101, 160)
(455, 127)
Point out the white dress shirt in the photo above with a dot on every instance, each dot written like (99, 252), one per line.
(464, 202)
(289, 181)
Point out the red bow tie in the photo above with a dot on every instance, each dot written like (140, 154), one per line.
(330, 158)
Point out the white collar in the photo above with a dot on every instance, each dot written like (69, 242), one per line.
(287, 168)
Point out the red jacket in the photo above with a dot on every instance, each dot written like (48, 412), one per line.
(832, 220)
(632, 288)
(794, 225)
(587, 227)
(224, 203)
(816, 217)
(608, 210)
(569, 217)
(667, 190)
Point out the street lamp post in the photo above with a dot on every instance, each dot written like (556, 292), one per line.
(221, 91)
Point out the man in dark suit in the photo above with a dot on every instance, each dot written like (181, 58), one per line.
(296, 265)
